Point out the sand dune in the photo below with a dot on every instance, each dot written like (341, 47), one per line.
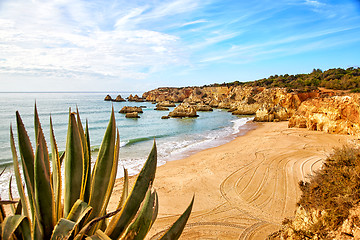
(245, 188)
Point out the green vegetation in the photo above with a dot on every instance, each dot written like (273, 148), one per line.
(336, 78)
(335, 189)
(83, 211)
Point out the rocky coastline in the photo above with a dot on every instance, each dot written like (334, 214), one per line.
(320, 110)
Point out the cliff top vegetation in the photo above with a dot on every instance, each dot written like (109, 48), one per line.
(336, 78)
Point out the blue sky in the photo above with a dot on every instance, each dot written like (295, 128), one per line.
(78, 45)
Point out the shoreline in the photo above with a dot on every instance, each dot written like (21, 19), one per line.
(244, 187)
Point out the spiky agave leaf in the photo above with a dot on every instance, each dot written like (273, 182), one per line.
(86, 163)
(44, 197)
(141, 225)
(18, 223)
(176, 229)
(119, 223)
(17, 175)
(104, 165)
(27, 162)
(66, 227)
(56, 174)
(74, 162)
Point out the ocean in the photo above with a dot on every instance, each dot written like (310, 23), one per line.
(175, 138)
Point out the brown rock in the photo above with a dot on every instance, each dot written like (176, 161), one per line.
(119, 99)
(183, 110)
(165, 117)
(165, 104)
(338, 114)
(128, 109)
(135, 98)
(132, 115)
(108, 98)
(162, 108)
(203, 108)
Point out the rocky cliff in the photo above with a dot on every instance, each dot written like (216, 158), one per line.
(337, 114)
(274, 104)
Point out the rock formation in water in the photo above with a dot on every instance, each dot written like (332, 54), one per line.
(135, 98)
(132, 115)
(107, 98)
(119, 99)
(128, 109)
(184, 110)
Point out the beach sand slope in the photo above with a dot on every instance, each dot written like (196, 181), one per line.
(243, 189)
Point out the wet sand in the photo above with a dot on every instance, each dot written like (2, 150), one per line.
(243, 189)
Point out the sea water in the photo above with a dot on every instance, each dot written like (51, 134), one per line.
(175, 138)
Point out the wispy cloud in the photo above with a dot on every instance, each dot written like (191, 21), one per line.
(118, 41)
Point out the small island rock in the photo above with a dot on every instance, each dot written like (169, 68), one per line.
(128, 109)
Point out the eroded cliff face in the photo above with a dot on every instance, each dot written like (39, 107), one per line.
(337, 114)
(275, 104)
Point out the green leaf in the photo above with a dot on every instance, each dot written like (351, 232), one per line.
(74, 159)
(12, 206)
(44, 197)
(14, 223)
(141, 226)
(39, 136)
(27, 160)
(144, 180)
(56, 175)
(103, 166)
(88, 174)
(86, 164)
(125, 191)
(79, 210)
(176, 229)
(18, 176)
(63, 229)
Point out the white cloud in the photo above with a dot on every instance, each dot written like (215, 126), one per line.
(56, 38)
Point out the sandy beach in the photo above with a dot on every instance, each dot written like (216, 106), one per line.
(244, 188)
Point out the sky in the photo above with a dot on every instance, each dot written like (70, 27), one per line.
(139, 45)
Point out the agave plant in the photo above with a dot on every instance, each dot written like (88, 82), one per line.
(77, 208)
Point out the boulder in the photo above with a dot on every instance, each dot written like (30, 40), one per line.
(128, 109)
(162, 108)
(108, 98)
(132, 115)
(119, 99)
(184, 110)
(165, 117)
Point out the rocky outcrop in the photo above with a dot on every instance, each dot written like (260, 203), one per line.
(165, 117)
(160, 108)
(135, 98)
(128, 109)
(271, 114)
(184, 110)
(119, 99)
(132, 115)
(203, 108)
(338, 114)
(107, 98)
(240, 100)
(165, 104)
(168, 94)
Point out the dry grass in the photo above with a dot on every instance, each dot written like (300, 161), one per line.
(335, 188)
